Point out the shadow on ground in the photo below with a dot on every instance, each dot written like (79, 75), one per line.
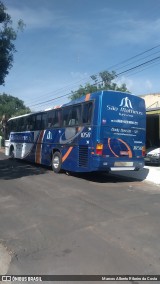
(13, 169)
(116, 177)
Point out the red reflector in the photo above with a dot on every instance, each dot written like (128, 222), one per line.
(99, 151)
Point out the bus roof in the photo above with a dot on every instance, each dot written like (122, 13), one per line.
(84, 98)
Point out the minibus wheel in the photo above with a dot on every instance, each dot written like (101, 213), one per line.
(56, 162)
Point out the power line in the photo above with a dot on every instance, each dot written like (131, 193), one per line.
(137, 60)
(147, 67)
(154, 59)
(129, 59)
(139, 54)
(51, 100)
(123, 72)
(60, 89)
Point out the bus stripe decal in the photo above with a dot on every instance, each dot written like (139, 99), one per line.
(109, 140)
(123, 142)
(38, 148)
(87, 97)
(67, 154)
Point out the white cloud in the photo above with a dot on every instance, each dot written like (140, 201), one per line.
(138, 85)
(111, 25)
(37, 19)
(126, 27)
(123, 80)
(136, 31)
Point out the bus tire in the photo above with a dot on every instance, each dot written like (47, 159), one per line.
(12, 155)
(56, 162)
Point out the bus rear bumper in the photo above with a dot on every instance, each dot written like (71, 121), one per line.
(100, 164)
(123, 169)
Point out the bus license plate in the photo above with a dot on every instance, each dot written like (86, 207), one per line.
(123, 164)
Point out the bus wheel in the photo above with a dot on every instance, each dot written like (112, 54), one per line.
(56, 162)
(12, 156)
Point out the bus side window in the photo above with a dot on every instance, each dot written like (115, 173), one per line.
(23, 124)
(67, 111)
(57, 118)
(50, 118)
(75, 118)
(14, 125)
(38, 125)
(44, 120)
(87, 113)
(72, 116)
(18, 124)
(31, 123)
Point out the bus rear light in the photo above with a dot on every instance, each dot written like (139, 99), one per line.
(143, 151)
(99, 149)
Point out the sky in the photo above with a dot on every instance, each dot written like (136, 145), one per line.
(64, 42)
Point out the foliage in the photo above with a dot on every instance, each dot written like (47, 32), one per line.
(102, 81)
(11, 106)
(7, 36)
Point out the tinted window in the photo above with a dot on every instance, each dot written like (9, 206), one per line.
(14, 125)
(38, 122)
(57, 118)
(44, 120)
(54, 118)
(66, 115)
(75, 116)
(22, 124)
(72, 115)
(87, 113)
(31, 122)
(9, 127)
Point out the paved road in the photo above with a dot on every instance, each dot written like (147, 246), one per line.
(80, 224)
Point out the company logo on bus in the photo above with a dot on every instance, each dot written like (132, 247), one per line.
(125, 106)
(125, 102)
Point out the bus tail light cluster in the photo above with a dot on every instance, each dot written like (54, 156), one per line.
(143, 151)
(99, 149)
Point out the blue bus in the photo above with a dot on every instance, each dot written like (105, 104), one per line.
(101, 131)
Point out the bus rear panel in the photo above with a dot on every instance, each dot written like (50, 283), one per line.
(119, 134)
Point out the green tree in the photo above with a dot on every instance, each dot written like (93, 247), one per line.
(102, 81)
(7, 37)
(12, 106)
